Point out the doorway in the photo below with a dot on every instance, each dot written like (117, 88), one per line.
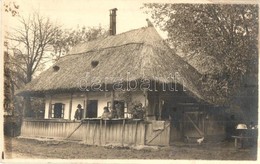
(92, 109)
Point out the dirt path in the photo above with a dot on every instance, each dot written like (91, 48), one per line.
(33, 149)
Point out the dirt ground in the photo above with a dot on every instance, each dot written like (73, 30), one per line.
(22, 148)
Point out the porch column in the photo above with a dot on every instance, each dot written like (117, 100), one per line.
(112, 99)
(50, 107)
(85, 105)
(146, 103)
(70, 106)
(160, 108)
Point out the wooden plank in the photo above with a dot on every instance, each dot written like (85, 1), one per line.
(105, 139)
(70, 106)
(94, 133)
(144, 134)
(123, 131)
(136, 124)
(87, 132)
(100, 130)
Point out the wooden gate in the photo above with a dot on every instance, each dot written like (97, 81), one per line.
(158, 133)
(194, 124)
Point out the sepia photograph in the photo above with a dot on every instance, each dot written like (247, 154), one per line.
(128, 81)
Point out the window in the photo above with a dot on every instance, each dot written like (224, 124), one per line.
(123, 107)
(94, 63)
(56, 68)
(58, 110)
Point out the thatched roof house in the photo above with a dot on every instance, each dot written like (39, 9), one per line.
(139, 53)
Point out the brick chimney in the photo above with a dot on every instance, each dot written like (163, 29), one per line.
(112, 29)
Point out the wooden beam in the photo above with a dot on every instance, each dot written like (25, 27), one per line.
(50, 107)
(70, 107)
(74, 130)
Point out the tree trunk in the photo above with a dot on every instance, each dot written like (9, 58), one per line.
(27, 110)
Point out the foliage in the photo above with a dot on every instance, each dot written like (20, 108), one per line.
(11, 7)
(137, 110)
(226, 32)
(68, 38)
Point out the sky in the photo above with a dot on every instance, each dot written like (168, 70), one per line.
(71, 14)
(89, 13)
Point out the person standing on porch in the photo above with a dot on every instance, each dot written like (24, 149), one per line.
(106, 114)
(78, 113)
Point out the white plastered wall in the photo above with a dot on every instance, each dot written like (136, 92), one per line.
(78, 98)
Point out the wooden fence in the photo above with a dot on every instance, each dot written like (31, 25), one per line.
(99, 132)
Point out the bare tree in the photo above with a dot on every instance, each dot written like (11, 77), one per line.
(68, 38)
(30, 43)
(33, 39)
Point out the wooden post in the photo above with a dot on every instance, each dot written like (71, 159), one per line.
(70, 107)
(145, 98)
(160, 107)
(50, 107)
(146, 104)
(112, 99)
(85, 105)
(203, 122)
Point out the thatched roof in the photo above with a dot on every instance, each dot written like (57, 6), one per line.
(139, 53)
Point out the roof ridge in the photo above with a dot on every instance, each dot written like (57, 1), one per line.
(140, 35)
(101, 38)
